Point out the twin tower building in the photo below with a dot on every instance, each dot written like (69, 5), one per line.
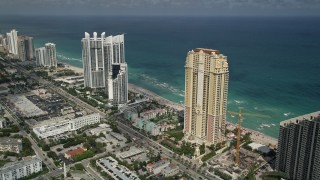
(105, 66)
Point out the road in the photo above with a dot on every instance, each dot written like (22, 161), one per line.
(51, 166)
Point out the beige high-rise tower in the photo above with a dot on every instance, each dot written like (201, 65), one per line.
(206, 90)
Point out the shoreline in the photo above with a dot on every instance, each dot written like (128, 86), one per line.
(256, 136)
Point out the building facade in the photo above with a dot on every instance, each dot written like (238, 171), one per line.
(40, 54)
(118, 84)
(29, 48)
(299, 147)
(10, 144)
(51, 128)
(20, 169)
(93, 60)
(104, 65)
(206, 90)
(46, 56)
(22, 55)
(25, 48)
(51, 55)
(12, 42)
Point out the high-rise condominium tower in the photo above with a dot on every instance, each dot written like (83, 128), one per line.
(25, 48)
(93, 61)
(40, 54)
(118, 84)
(47, 55)
(22, 54)
(104, 65)
(12, 40)
(299, 147)
(206, 90)
(51, 55)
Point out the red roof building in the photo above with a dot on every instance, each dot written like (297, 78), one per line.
(72, 153)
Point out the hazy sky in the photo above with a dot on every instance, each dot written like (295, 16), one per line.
(162, 7)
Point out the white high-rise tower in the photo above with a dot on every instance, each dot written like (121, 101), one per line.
(12, 40)
(93, 61)
(104, 65)
(51, 55)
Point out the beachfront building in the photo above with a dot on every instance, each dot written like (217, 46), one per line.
(22, 55)
(93, 61)
(299, 147)
(12, 40)
(206, 90)
(104, 65)
(51, 55)
(118, 84)
(20, 169)
(47, 55)
(25, 48)
(40, 56)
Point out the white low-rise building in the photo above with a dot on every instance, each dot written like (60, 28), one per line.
(115, 170)
(20, 169)
(52, 128)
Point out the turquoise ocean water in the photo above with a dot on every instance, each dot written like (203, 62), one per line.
(274, 61)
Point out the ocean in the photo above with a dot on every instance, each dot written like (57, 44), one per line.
(274, 61)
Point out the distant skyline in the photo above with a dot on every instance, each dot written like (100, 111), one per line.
(163, 7)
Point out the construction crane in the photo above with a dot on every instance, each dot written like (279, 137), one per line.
(240, 113)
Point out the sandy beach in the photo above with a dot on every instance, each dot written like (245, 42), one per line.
(256, 136)
(154, 96)
(140, 90)
(75, 69)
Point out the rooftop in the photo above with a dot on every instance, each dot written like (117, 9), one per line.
(118, 171)
(75, 152)
(310, 117)
(207, 51)
(7, 140)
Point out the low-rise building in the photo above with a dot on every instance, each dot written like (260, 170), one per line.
(20, 169)
(157, 167)
(116, 171)
(152, 113)
(72, 153)
(10, 144)
(133, 151)
(170, 170)
(52, 128)
(148, 126)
